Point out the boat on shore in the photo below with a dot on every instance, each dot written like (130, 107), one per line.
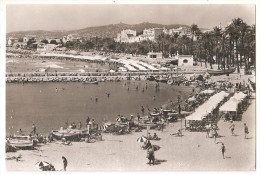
(22, 142)
(177, 78)
(70, 134)
(90, 82)
(221, 72)
(161, 80)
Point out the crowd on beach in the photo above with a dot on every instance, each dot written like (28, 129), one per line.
(156, 119)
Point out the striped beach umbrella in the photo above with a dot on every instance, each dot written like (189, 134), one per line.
(42, 164)
(141, 139)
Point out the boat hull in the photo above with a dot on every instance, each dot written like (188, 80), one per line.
(221, 72)
(72, 135)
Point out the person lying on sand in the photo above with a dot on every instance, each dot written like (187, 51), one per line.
(177, 133)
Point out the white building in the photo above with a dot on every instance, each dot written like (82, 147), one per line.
(11, 41)
(26, 38)
(185, 60)
(71, 37)
(129, 36)
(55, 39)
(126, 36)
(155, 55)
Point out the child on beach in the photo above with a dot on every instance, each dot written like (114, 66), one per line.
(65, 163)
(232, 127)
(223, 150)
(245, 130)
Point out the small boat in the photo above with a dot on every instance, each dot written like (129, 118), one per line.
(150, 78)
(70, 134)
(221, 72)
(90, 82)
(154, 114)
(177, 78)
(162, 80)
(22, 142)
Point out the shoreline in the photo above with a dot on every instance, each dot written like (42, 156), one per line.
(185, 153)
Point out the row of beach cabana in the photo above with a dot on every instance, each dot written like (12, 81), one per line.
(211, 108)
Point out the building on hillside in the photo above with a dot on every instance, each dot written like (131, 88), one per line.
(185, 60)
(19, 45)
(129, 36)
(11, 41)
(155, 55)
(126, 36)
(27, 38)
(152, 34)
(57, 40)
(173, 31)
(71, 37)
(41, 47)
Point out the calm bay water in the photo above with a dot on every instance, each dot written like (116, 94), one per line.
(41, 104)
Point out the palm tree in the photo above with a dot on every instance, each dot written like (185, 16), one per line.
(216, 37)
(236, 23)
(244, 30)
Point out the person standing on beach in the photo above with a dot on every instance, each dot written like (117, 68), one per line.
(65, 163)
(232, 127)
(150, 155)
(138, 116)
(142, 109)
(223, 150)
(33, 129)
(245, 130)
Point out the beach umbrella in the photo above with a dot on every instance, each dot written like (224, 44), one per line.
(156, 147)
(42, 164)
(141, 139)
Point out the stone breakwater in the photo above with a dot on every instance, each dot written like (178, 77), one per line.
(24, 77)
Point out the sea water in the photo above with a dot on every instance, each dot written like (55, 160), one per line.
(50, 105)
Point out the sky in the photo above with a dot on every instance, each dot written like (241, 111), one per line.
(68, 17)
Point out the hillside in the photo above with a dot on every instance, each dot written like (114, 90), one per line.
(109, 31)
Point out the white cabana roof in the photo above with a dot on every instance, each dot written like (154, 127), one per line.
(208, 91)
(231, 104)
(207, 107)
(192, 98)
(148, 66)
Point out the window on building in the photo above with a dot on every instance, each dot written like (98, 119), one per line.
(185, 61)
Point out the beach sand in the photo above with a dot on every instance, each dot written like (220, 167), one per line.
(191, 152)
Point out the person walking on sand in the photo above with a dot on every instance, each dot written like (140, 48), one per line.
(150, 155)
(65, 163)
(245, 130)
(223, 150)
(232, 127)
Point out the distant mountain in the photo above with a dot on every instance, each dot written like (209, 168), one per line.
(109, 31)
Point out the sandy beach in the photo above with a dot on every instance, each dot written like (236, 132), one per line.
(193, 151)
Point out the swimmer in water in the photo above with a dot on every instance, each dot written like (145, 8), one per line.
(96, 99)
(143, 89)
(128, 88)
(56, 89)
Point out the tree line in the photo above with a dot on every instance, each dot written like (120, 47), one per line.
(232, 46)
